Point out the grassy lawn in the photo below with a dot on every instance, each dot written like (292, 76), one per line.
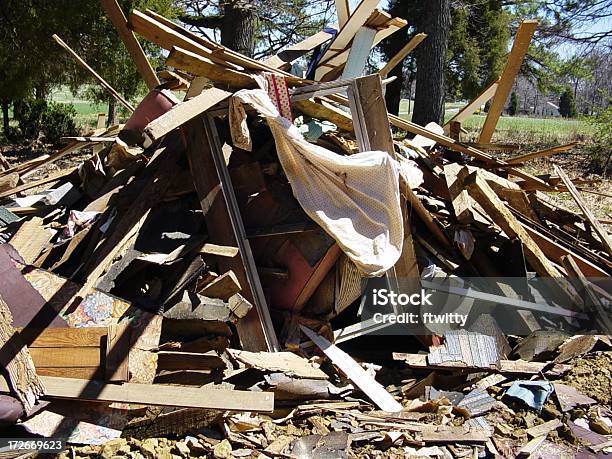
(520, 129)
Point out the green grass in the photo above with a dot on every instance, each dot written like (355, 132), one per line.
(520, 129)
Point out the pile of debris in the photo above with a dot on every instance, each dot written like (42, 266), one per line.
(150, 291)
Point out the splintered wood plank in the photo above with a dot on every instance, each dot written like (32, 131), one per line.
(17, 362)
(401, 54)
(114, 12)
(219, 226)
(346, 34)
(197, 65)
(541, 153)
(184, 112)
(372, 388)
(454, 174)
(597, 227)
(93, 73)
(479, 189)
(26, 186)
(156, 394)
(224, 286)
(475, 104)
(515, 59)
(31, 239)
(284, 362)
(556, 252)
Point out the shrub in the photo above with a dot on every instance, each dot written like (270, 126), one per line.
(602, 139)
(58, 121)
(53, 120)
(514, 104)
(567, 104)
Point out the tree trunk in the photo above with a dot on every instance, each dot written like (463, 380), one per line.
(390, 47)
(434, 20)
(238, 27)
(5, 116)
(112, 111)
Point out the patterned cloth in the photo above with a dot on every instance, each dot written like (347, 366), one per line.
(279, 93)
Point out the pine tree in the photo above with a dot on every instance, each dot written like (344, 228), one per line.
(514, 104)
(567, 104)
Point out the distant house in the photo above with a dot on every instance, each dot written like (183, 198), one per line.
(546, 109)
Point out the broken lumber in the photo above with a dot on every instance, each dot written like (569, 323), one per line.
(506, 80)
(355, 373)
(541, 153)
(154, 394)
(401, 54)
(93, 73)
(184, 112)
(597, 227)
(224, 286)
(114, 12)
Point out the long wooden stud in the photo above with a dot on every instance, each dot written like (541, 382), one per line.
(93, 73)
(515, 59)
(114, 12)
(155, 394)
(342, 11)
(598, 227)
(401, 54)
(541, 153)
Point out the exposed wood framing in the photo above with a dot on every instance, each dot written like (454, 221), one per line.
(343, 12)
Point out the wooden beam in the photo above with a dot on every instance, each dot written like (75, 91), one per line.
(480, 190)
(114, 12)
(155, 394)
(93, 73)
(343, 12)
(346, 34)
(50, 178)
(597, 227)
(401, 54)
(515, 59)
(475, 104)
(541, 153)
(184, 112)
(372, 388)
(197, 65)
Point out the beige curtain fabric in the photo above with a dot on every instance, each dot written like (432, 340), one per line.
(355, 199)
